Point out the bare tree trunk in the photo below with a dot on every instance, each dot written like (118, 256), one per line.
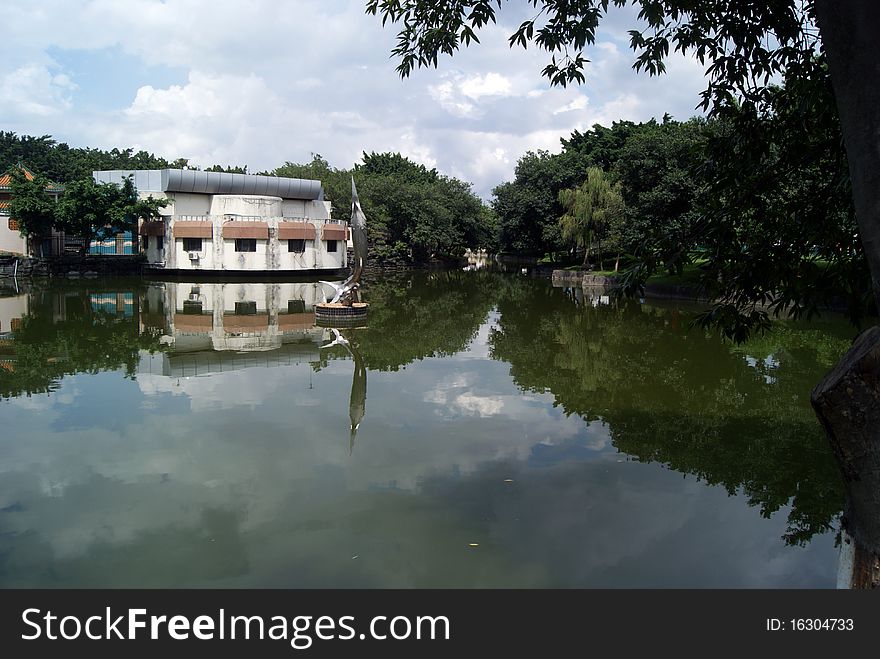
(617, 262)
(847, 401)
(850, 32)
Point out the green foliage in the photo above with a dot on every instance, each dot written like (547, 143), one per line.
(744, 43)
(227, 169)
(414, 212)
(601, 146)
(591, 210)
(764, 191)
(30, 205)
(734, 416)
(63, 163)
(758, 195)
(86, 340)
(778, 224)
(659, 170)
(654, 164)
(424, 314)
(336, 182)
(528, 207)
(88, 209)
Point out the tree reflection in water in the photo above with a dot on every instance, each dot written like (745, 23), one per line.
(734, 416)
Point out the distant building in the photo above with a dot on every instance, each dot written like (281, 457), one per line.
(11, 240)
(220, 222)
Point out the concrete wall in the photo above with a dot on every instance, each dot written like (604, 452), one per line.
(295, 208)
(271, 255)
(154, 255)
(184, 203)
(305, 260)
(247, 205)
(177, 257)
(312, 210)
(259, 260)
(10, 239)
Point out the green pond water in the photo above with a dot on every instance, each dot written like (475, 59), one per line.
(508, 434)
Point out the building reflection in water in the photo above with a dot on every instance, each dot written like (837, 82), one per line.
(220, 327)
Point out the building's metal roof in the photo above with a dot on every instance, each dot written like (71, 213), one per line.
(189, 180)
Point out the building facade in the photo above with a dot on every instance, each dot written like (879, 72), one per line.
(239, 223)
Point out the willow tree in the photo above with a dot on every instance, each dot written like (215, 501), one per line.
(591, 209)
(746, 45)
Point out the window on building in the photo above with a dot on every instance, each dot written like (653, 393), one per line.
(331, 245)
(192, 244)
(297, 245)
(13, 224)
(160, 242)
(245, 244)
(296, 306)
(245, 308)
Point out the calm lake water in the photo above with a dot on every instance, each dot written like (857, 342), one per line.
(509, 434)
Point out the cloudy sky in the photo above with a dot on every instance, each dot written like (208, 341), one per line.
(263, 82)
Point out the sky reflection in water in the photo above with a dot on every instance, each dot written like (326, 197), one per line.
(578, 446)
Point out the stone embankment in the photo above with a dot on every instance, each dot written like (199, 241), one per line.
(608, 283)
(72, 266)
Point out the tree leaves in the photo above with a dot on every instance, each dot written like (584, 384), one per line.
(745, 43)
(31, 205)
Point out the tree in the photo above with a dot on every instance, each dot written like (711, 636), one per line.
(590, 211)
(745, 44)
(336, 182)
(31, 205)
(228, 169)
(415, 212)
(659, 170)
(528, 207)
(89, 210)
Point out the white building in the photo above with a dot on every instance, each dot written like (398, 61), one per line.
(219, 222)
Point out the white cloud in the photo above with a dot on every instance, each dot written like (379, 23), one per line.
(34, 89)
(491, 84)
(580, 103)
(445, 95)
(218, 81)
(469, 402)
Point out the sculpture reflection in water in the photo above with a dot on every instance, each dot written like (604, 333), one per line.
(357, 400)
(211, 328)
